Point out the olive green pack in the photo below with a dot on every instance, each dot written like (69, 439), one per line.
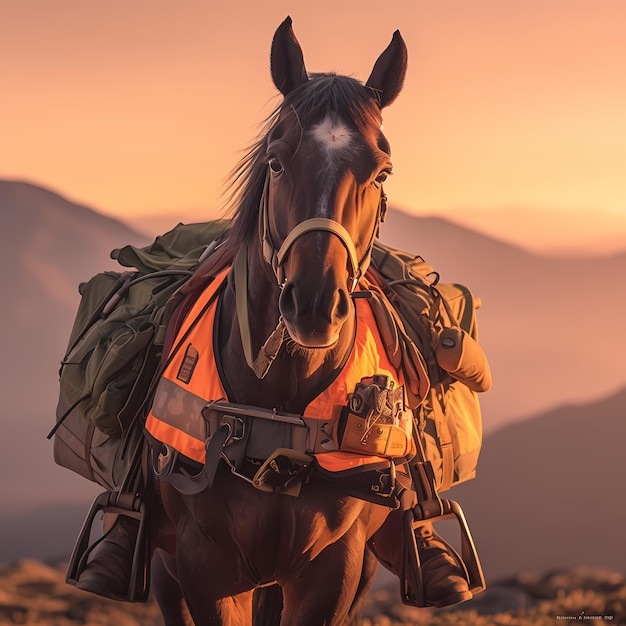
(432, 313)
(114, 350)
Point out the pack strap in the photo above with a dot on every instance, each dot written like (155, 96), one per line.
(400, 348)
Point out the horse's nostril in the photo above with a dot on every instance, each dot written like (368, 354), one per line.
(342, 306)
(287, 302)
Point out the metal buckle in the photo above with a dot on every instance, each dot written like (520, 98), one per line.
(236, 426)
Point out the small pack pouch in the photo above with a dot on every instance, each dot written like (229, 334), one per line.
(375, 420)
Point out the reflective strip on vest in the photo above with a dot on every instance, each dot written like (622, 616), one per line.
(176, 414)
(192, 379)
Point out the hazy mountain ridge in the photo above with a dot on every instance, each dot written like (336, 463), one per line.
(546, 323)
(548, 491)
(603, 235)
(48, 245)
(527, 228)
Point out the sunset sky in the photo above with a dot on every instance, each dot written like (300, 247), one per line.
(138, 107)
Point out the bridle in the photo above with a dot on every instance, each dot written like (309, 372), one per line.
(275, 257)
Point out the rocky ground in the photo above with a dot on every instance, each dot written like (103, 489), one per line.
(34, 593)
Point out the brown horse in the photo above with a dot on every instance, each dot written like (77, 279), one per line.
(317, 170)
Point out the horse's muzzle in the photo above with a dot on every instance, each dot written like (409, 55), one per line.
(313, 318)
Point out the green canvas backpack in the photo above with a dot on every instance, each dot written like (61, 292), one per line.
(114, 351)
(440, 319)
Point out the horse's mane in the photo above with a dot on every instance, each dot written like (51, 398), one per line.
(323, 94)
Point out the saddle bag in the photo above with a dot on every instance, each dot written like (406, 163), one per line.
(439, 319)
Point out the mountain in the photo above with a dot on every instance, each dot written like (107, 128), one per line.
(48, 245)
(46, 532)
(549, 491)
(557, 232)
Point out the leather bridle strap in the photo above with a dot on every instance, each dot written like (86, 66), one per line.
(317, 224)
(275, 258)
(261, 364)
(269, 350)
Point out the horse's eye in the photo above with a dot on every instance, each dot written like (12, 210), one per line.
(275, 166)
(382, 177)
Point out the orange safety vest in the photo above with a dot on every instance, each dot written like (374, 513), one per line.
(191, 379)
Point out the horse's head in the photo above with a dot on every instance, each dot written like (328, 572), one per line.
(327, 158)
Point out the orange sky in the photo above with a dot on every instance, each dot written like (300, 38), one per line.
(140, 107)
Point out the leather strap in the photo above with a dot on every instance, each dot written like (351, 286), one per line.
(269, 350)
(317, 224)
(214, 452)
(275, 257)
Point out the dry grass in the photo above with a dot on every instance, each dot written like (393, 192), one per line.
(32, 593)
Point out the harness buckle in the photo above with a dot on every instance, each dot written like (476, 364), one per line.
(283, 472)
(236, 425)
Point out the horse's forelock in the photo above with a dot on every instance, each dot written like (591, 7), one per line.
(330, 94)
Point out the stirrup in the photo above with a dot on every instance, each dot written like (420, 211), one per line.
(412, 583)
(126, 505)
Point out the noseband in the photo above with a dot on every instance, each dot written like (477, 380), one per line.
(276, 257)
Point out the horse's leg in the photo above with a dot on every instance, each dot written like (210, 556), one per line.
(370, 564)
(321, 592)
(210, 578)
(230, 611)
(167, 591)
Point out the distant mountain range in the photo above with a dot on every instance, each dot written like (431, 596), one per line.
(550, 491)
(48, 245)
(551, 327)
(555, 232)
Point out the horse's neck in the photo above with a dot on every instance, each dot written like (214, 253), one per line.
(297, 375)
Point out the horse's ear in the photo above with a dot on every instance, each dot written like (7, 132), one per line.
(387, 77)
(286, 59)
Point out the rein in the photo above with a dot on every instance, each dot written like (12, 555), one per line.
(275, 258)
(269, 350)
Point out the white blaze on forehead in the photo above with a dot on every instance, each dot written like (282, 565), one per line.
(337, 143)
(333, 135)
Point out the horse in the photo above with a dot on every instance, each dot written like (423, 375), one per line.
(316, 171)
